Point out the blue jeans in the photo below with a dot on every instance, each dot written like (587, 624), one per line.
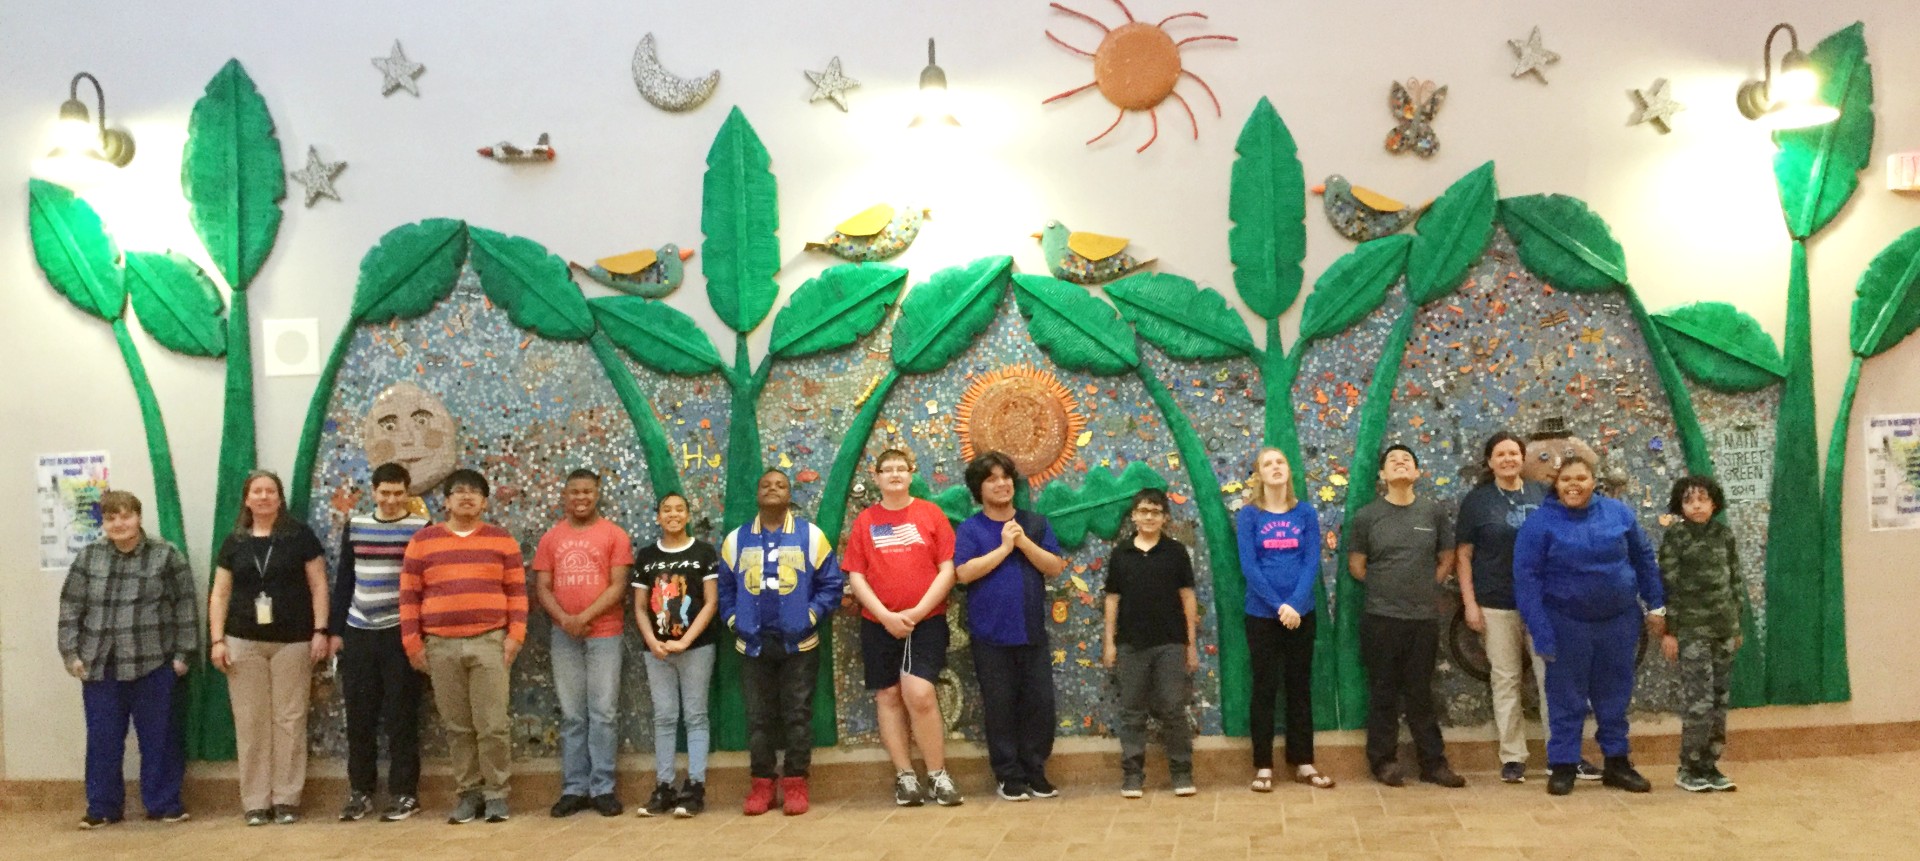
(586, 678)
(148, 702)
(679, 686)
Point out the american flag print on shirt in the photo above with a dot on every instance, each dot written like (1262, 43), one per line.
(896, 535)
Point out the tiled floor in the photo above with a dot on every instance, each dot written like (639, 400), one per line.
(1852, 807)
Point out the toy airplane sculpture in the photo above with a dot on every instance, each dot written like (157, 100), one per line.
(507, 153)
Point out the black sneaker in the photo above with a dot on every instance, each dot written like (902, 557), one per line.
(1560, 779)
(467, 809)
(90, 822)
(906, 789)
(1011, 791)
(402, 807)
(692, 801)
(660, 803)
(1513, 772)
(1620, 774)
(497, 810)
(1587, 771)
(1441, 775)
(1041, 787)
(607, 804)
(1133, 784)
(285, 814)
(180, 815)
(1391, 774)
(359, 804)
(1720, 782)
(568, 805)
(262, 816)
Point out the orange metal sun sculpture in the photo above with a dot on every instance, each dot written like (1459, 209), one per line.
(1136, 66)
(1024, 412)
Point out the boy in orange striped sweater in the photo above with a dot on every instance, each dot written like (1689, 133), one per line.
(463, 616)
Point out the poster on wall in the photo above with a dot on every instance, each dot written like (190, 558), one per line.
(68, 487)
(1743, 461)
(1893, 471)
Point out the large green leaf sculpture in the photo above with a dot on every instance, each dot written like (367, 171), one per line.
(740, 214)
(232, 175)
(1183, 320)
(1098, 506)
(74, 250)
(406, 273)
(1268, 206)
(835, 309)
(1353, 287)
(940, 319)
(1451, 236)
(1078, 331)
(1885, 311)
(1818, 168)
(1887, 308)
(1564, 242)
(177, 303)
(532, 284)
(1721, 347)
(657, 336)
(410, 270)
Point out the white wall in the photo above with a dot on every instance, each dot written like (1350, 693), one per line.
(1695, 209)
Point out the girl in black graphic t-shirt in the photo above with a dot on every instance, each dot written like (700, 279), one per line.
(675, 585)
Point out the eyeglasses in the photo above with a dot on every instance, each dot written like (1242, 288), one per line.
(1151, 512)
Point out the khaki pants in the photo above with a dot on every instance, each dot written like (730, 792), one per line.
(469, 677)
(1508, 645)
(269, 686)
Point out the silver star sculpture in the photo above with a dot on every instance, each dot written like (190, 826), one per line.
(399, 71)
(830, 84)
(1532, 56)
(318, 176)
(1656, 106)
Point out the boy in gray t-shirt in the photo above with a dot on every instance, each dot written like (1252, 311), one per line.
(1401, 546)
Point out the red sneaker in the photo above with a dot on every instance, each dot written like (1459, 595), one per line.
(759, 796)
(793, 791)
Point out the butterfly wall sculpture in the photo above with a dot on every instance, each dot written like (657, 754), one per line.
(1414, 103)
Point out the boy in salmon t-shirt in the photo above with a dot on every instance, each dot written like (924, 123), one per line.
(899, 564)
(582, 565)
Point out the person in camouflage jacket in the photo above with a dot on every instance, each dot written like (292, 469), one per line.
(1701, 570)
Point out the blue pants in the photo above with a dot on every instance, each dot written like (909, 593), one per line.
(586, 680)
(148, 702)
(679, 686)
(1017, 711)
(1593, 671)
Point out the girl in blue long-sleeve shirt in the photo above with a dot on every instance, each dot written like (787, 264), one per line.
(1279, 539)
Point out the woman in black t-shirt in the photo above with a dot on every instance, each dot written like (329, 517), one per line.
(267, 612)
(675, 596)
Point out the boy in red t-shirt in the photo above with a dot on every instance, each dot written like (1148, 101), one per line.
(898, 558)
(582, 565)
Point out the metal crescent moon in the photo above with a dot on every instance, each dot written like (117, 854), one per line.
(663, 90)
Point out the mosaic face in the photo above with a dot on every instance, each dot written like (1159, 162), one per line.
(408, 425)
(1544, 457)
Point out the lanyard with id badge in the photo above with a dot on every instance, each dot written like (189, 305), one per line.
(263, 602)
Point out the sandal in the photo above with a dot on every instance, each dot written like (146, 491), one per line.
(1262, 780)
(1313, 778)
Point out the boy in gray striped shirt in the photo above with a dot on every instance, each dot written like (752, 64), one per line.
(381, 689)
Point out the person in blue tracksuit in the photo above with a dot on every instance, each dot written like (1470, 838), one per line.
(1582, 570)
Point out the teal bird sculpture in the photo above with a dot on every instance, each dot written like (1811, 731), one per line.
(650, 273)
(1085, 258)
(1361, 214)
(877, 233)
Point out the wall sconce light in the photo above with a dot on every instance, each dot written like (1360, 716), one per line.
(933, 108)
(1790, 100)
(78, 139)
